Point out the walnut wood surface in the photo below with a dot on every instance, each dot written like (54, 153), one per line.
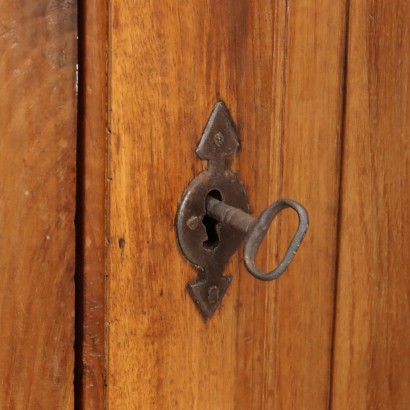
(278, 66)
(91, 206)
(372, 337)
(37, 203)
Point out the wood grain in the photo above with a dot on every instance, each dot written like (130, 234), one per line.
(309, 171)
(37, 203)
(278, 66)
(372, 336)
(91, 206)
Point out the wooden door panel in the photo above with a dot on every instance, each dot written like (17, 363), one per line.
(37, 203)
(372, 336)
(91, 241)
(319, 94)
(280, 74)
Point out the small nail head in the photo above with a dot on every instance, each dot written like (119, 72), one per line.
(219, 139)
(192, 223)
(213, 294)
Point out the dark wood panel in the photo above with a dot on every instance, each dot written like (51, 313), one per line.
(37, 203)
(372, 338)
(91, 205)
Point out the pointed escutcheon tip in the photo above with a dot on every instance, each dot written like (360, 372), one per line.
(208, 297)
(219, 139)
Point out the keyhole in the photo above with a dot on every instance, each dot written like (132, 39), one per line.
(210, 224)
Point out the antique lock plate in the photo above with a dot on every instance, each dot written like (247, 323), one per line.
(213, 218)
(206, 243)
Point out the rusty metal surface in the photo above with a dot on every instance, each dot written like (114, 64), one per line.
(213, 219)
(229, 215)
(257, 228)
(218, 142)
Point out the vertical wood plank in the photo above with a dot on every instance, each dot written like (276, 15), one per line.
(91, 205)
(309, 171)
(37, 203)
(278, 66)
(372, 335)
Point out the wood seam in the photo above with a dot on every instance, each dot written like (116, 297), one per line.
(344, 70)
